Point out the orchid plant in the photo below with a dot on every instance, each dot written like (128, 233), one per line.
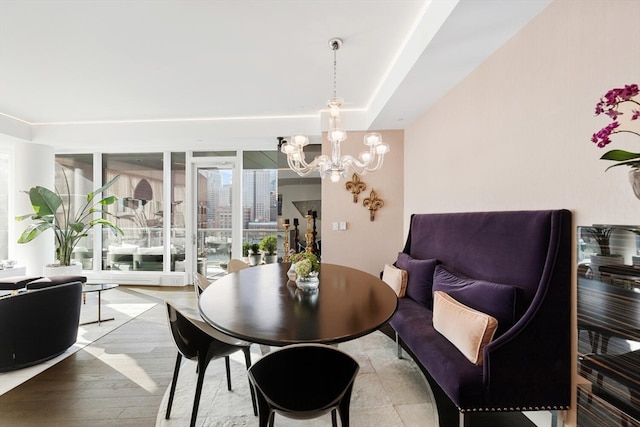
(610, 105)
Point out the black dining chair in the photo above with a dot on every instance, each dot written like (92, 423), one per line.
(304, 381)
(196, 340)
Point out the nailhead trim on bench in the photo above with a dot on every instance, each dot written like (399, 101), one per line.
(517, 408)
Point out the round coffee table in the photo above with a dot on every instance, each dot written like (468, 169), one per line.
(260, 305)
(99, 287)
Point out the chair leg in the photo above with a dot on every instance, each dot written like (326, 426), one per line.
(265, 415)
(398, 346)
(176, 370)
(247, 361)
(228, 366)
(334, 418)
(202, 367)
(343, 408)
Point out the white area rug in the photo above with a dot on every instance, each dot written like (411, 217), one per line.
(388, 391)
(118, 303)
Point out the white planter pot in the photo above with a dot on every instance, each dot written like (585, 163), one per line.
(62, 270)
(270, 259)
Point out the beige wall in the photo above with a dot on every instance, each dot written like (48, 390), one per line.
(365, 245)
(516, 133)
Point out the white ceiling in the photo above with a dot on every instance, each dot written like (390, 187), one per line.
(251, 62)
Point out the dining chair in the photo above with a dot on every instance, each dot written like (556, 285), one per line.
(304, 381)
(198, 341)
(200, 283)
(235, 265)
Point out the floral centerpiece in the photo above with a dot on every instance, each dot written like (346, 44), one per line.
(615, 103)
(306, 267)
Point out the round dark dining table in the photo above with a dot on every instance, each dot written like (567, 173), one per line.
(260, 305)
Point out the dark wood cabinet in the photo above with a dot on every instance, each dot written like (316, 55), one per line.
(609, 325)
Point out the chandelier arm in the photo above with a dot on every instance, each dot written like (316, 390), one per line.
(302, 168)
(380, 159)
(364, 163)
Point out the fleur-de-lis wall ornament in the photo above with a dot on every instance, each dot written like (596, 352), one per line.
(373, 203)
(355, 186)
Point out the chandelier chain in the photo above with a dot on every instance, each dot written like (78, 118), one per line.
(335, 50)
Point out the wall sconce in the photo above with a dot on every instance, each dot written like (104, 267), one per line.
(355, 186)
(373, 203)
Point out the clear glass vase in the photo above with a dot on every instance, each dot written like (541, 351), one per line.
(308, 283)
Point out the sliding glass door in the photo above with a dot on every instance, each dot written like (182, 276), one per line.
(214, 213)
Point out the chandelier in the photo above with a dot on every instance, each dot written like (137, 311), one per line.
(336, 166)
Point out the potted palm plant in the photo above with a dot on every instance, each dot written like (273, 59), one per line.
(53, 211)
(269, 245)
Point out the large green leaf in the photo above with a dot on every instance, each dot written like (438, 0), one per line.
(44, 201)
(620, 155)
(34, 230)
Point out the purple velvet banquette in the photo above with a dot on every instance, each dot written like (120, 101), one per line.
(512, 266)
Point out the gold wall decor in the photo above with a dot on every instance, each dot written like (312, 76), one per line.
(373, 203)
(285, 245)
(355, 186)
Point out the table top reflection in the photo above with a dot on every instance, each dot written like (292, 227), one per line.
(260, 305)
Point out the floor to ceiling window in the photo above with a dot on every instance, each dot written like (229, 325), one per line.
(139, 213)
(74, 179)
(260, 196)
(153, 213)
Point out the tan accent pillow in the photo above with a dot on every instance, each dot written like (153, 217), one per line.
(395, 278)
(468, 329)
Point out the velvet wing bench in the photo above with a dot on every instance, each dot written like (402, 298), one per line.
(486, 309)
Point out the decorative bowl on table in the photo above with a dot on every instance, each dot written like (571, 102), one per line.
(308, 283)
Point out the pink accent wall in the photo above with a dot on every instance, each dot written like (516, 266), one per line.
(365, 245)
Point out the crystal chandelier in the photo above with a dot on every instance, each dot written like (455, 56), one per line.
(336, 166)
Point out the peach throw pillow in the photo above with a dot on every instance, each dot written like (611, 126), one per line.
(468, 329)
(395, 278)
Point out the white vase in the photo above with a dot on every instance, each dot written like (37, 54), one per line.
(634, 179)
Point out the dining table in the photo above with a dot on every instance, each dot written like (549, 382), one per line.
(261, 305)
